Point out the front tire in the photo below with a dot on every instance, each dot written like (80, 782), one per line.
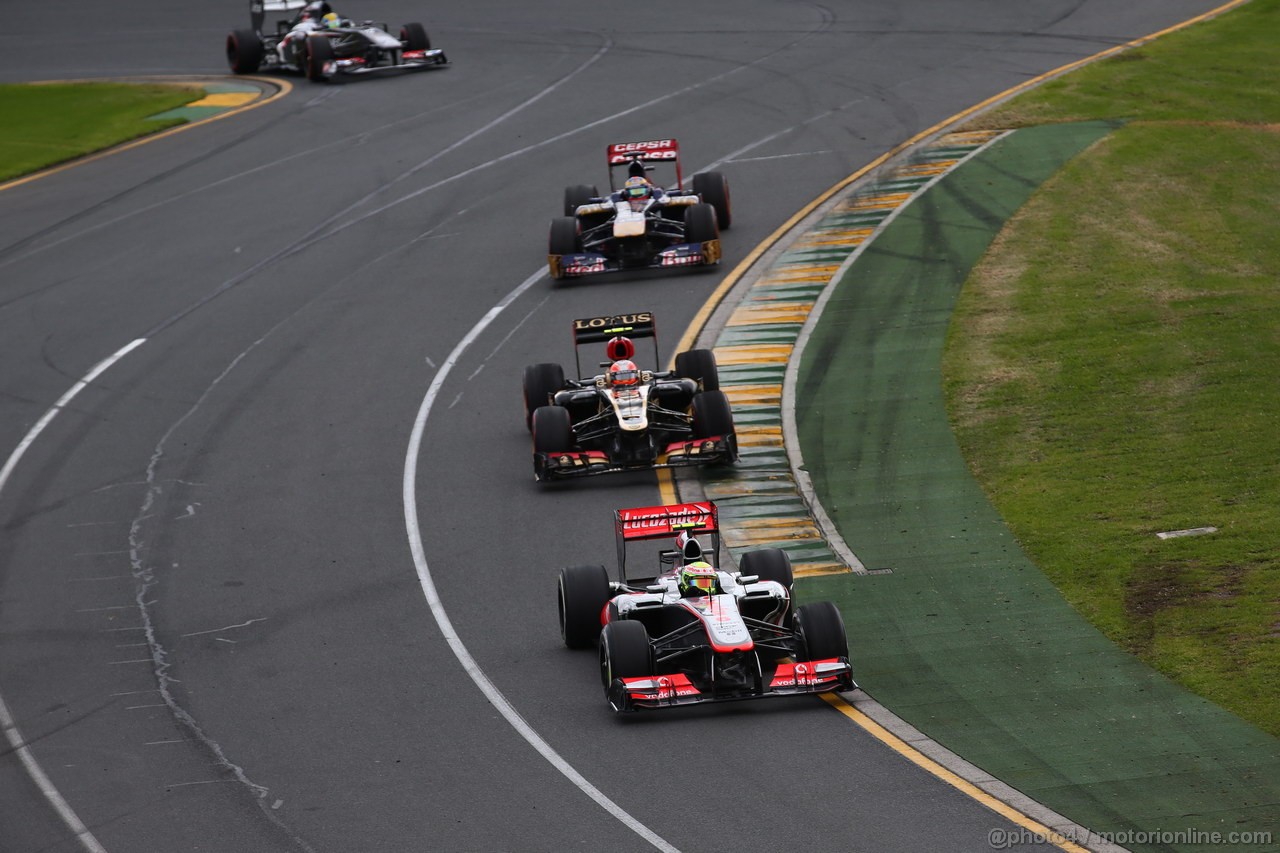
(712, 415)
(700, 224)
(244, 51)
(414, 37)
(700, 366)
(821, 630)
(565, 238)
(712, 188)
(319, 52)
(552, 429)
(582, 593)
(625, 652)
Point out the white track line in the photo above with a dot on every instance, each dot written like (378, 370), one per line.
(487, 687)
(11, 731)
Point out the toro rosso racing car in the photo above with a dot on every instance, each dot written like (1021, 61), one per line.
(686, 631)
(626, 418)
(640, 225)
(322, 45)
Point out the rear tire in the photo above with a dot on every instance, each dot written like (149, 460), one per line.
(565, 238)
(415, 37)
(583, 591)
(244, 51)
(700, 224)
(578, 195)
(821, 630)
(712, 415)
(700, 366)
(770, 564)
(714, 190)
(540, 382)
(318, 52)
(625, 652)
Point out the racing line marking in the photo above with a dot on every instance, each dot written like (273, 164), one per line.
(469, 664)
(12, 734)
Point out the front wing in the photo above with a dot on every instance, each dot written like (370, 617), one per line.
(790, 679)
(678, 454)
(673, 257)
(409, 60)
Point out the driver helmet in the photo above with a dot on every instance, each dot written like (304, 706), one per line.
(637, 188)
(619, 348)
(697, 578)
(623, 373)
(689, 546)
(331, 21)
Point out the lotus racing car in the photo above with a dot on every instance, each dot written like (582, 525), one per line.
(320, 44)
(686, 630)
(640, 225)
(626, 418)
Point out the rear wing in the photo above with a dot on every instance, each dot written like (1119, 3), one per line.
(259, 8)
(661, 522)
(598, 330)
(660, 150)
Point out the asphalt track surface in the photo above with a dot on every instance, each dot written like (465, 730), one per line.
(212, 630)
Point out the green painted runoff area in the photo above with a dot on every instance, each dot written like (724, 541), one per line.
(966, 639)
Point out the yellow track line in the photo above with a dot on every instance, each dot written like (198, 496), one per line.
(285, 87)
(666, 484)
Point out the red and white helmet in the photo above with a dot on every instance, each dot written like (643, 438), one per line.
(623, 373)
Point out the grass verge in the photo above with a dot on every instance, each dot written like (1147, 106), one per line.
(50, 123)
(1111, 366)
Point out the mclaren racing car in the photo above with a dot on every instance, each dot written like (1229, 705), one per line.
(626, 418)
(686, 631)
(320, 44)
(640, 225)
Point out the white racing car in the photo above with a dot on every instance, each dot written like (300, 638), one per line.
(319, 43)
(686, 630)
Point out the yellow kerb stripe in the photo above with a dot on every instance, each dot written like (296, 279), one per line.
(225, 99)
(750, 315)
(753, 395)
(759, 436)
(753, 354)
(814, 570)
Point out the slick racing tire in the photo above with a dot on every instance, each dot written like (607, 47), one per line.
(625, 652)
(564, 238)
(700, 224)
(578, 195)
(414, 37)
(318, 51)
(711, 414)
(700, 366)
(244, 51)
(540, 382)
(821, 630)
(770, 564)
(582, 594)
(552, 430)
(714, 190)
